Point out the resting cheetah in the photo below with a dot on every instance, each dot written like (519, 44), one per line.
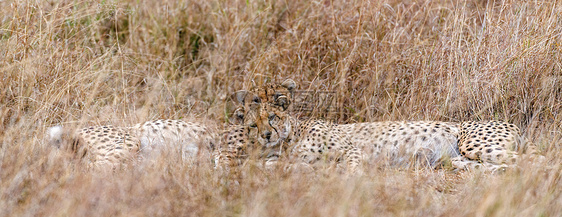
(399, 143)
(468, 144)
(103, 146)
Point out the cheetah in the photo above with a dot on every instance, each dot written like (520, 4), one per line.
(111, 146)
(400, 143)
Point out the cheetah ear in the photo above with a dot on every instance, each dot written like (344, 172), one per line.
(239, 96)
(289, 84)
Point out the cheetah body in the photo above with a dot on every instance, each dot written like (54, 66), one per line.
(111, 146)
(391, 143)
(400, 143)
(489, 144)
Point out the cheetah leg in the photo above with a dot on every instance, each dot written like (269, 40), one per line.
(352, 158)
(463, 163)
(222, 159)
(231, 156)
(231, 153)
(499, 156)
(299, 167)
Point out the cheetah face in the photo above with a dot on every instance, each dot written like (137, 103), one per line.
(253, 114)
(279, 121)
(263, 109)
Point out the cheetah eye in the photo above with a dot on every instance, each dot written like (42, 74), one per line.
(253, 125)
(256, 99)
(271, 116)
(283, 102)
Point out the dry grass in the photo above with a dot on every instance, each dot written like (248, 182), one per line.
(121, 62)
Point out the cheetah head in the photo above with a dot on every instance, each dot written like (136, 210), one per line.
(264, 110)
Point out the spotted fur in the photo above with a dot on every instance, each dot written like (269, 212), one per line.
(468, 145)
(111, 146)
(99, 146)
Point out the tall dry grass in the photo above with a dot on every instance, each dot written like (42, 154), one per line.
(82, 63)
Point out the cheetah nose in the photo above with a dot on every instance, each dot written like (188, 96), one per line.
(267, 134)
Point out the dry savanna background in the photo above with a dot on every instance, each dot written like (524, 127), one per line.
(84, 63)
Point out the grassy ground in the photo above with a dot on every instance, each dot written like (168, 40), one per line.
(121, 62)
